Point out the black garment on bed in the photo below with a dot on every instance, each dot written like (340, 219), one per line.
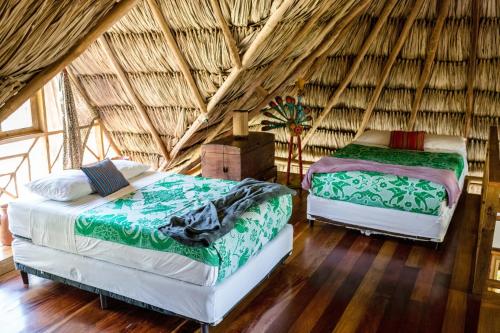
(208, 223)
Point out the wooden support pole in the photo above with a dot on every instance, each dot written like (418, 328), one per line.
(230, 42)
(179, 57)
(429, 60)
(374, 33)
(40, 79)
(471, 73)
(42, 123)
(388, 65)
(122, 76)
(99, 139)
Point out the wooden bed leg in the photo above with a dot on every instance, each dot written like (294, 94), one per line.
(310, 222)
(204, 328)
(104, 301)
(25, 277)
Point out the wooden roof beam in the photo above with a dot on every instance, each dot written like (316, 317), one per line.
(251, 53)
(247, 60)
(297, 68)
(314, 59)
(471, 73)
(388, 65)
(179, 57)
(374, 33)
(40, 79)
(429, 60)
(122, 76)
(230, 42)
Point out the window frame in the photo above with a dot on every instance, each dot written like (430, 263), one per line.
(36, 108)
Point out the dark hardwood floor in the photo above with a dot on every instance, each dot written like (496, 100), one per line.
(336, 280)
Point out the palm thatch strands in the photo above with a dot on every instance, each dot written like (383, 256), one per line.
(429, 61)
(295, 71)
(50, 65)
(248, 57)
(231, 43)
(132, 95)
(90, 106)
(181, 62)
(209, 41)
(354, 67)
(388, 66)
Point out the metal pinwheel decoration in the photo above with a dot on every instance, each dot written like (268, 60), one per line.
(292, 115)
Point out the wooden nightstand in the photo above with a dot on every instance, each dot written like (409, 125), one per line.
(237, 159)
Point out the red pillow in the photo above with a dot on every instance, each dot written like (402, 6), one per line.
(407, 140)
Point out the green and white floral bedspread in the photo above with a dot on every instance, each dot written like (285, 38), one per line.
(134, 219)
(384, 190)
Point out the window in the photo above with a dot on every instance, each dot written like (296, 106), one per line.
(18, 120)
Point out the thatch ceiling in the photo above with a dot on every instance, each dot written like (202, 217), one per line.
(278, 41)
(35, 33)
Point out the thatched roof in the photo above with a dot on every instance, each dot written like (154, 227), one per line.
(257, 49)
(34, 34)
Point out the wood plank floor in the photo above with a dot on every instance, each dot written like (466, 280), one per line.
(335, 281)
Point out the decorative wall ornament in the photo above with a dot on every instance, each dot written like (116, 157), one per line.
(293, 116)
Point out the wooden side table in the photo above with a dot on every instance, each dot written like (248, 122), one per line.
(5, 235)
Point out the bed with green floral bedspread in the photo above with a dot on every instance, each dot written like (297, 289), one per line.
(134, 219)
(382, 190)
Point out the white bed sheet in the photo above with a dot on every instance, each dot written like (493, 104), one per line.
(412, 225)
(51, 224)
(204, 303)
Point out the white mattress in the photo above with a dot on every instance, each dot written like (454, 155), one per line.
(51, 223)
(384, 220)
(207, 304)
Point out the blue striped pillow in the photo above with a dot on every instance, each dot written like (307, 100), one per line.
(105, 177)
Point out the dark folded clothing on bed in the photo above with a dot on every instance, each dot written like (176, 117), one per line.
(208, 223)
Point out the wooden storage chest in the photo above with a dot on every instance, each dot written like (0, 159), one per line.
(237, 159)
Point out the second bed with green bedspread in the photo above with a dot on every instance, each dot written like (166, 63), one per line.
(377, 189)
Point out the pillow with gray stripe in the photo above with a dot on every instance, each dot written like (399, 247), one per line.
(104, 177)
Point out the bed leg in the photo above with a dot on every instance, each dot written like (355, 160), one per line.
(204, 328)
(25, 277)
(104, 301)
(310, 222)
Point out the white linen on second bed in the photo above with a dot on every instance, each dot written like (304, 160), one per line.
(51, 224)
(385, 219)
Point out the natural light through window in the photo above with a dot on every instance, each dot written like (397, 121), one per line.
(20, 119)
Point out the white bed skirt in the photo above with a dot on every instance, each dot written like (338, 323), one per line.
(208, 304)
(381, 220)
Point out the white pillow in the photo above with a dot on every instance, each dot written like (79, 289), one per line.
(130, 169)
(71, 185)
(374, 138)
(445, 144)
(63, 186)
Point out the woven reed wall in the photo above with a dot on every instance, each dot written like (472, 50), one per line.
(443, 104)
